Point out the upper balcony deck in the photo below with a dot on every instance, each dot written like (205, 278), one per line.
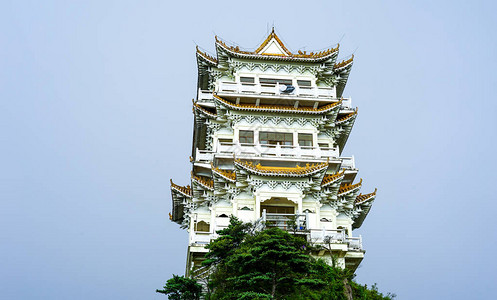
(275, 153)
(272, 94)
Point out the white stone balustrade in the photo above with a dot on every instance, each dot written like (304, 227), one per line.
(268, 89)
(347, 102)
(277, 150)
(325, 236)
(348, 163)
(355, 243)
(204, 96)
(328, 235)
(200, 237)
(204, 155)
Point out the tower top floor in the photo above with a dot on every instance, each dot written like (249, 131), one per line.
(273, 63)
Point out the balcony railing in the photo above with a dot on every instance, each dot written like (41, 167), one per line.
(245, 151)
(297, 223)
(205, 96)
(289, 222)
(338, 236)
(300, 223)
(274, 89)
(201, 238)
(348, 163)
(264, 150)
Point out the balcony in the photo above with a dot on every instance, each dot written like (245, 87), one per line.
(299, 223)
(312, 94)
(279, 151)
(348, 163)
(205, 98)
(293, 223)
(288, 222)
(200, 238)
(270, 89)
(226, 150)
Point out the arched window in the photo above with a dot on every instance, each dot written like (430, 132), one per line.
(202, 226)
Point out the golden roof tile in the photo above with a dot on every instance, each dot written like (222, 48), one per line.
(348, 187)
(344, 62)
(186, 191)
(290, 55)
(366, 197)
(203, 110)
(226, 174)
(346, 118)
(206, 56)
(279, 108)
(297, 171)
(331, 178)
(206, 183)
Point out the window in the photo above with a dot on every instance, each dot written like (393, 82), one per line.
(273, 81)
(273, 138)
(202, 226)
(246, 137)
(305, 139)
(247, 80)
(306, 83)
(323, 145)
(270, 209)
(223, 141)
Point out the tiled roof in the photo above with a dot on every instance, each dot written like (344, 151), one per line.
(282, 171)
(279, 108)
(186, 191)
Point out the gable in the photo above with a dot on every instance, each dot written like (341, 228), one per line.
(273, 47)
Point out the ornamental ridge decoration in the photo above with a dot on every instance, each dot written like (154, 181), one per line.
(300, 56)
(278, 108)
(297, 171)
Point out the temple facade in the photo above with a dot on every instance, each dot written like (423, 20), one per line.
(270, 127)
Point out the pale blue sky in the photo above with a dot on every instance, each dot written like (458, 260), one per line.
(95, 117)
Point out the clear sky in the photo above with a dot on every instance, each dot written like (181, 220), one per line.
(95, 118)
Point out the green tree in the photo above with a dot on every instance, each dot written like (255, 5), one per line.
(229, 240)
(181, 288)
(270, 264)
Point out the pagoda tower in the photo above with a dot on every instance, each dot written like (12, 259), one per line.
(269, 129)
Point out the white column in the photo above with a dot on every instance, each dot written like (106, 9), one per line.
(257, 206)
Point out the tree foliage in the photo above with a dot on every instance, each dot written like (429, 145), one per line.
(273, 264)
(181, 288)
(269, 264)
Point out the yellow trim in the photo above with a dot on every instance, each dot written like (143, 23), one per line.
(230, 175)
(343, 63)
(332, 177)
(347, 187)
(203, 110)
(362, 198)
(298, 170)
(348, 116)
(205, 182)
(184, 190)
(266, 42)
(300, 54)
(206, 56)
(280, 107)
